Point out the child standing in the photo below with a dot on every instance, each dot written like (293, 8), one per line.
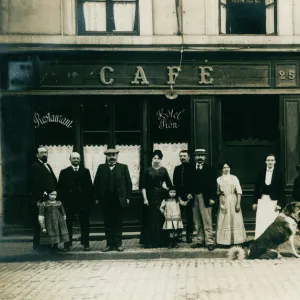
(171, 210)
(52, 218)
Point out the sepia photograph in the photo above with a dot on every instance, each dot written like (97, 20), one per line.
(149, 149)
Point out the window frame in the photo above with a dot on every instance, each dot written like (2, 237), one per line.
(222, 6)
(110, 24)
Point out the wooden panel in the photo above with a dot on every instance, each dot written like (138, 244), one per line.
(290, 135)
(202, 124)
(194, 19)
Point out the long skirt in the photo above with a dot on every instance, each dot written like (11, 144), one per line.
(265, 214)
(230, 229)
(152, 234)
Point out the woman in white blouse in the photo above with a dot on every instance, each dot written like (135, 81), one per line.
(230, 227)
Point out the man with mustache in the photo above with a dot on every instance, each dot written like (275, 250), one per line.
(41, 179)
(112, 188)
(182, 180)
(205, 192)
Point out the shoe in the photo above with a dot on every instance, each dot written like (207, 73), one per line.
(88, 248)
(189, 240)
(108, 248)
(211, 247)
(197, 245)
(120, 249)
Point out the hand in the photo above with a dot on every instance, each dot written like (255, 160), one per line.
(146, 202)
(44, 230)
(65, 217)
(254, 207)
(189, 196)
(211, 202)
(223, 208)
(45, 194)
(128, 201)
(277, 208)
(237, 208)
(96, 201)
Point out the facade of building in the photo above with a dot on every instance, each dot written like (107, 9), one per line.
(147, 74)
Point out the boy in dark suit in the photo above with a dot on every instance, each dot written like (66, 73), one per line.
(112, 188)
(41, 179)
(75, 189)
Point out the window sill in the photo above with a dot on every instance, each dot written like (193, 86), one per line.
(249, 34)
(115, 33)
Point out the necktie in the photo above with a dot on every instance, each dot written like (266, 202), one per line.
(76, 169)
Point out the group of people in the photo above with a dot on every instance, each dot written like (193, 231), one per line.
(53, 218)
(194, 192)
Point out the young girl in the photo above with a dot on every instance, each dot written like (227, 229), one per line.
(52, 218)
(171, 210)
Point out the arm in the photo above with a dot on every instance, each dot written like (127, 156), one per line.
(63, 211)
(97, 186)
(128, 182)
(41, 217)
(144, 186)
(176, 177)
(238, 190)
(167, 179)
(162, 207)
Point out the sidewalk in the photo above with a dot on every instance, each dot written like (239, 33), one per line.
(19, 248)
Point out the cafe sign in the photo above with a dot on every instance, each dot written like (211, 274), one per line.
(158, 75)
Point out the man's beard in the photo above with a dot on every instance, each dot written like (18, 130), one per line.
(44, 159)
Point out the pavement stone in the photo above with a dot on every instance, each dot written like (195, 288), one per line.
(13, 249)
(163, 279)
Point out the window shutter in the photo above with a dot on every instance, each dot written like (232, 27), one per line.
(223, 17)
(270, 16)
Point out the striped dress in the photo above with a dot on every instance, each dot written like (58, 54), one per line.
(230, 226)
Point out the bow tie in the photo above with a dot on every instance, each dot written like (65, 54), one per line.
(76, 168)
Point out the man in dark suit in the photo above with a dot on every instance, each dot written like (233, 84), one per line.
(41, 180)
(112, 188)
(205, 191)
(75, 189)
(182, 180)
(268, 197)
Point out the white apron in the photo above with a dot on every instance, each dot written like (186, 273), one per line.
(265, 214)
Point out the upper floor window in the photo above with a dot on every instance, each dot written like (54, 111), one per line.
(248, 16)
(108, 16)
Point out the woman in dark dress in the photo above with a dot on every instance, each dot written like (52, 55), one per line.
(152, 234)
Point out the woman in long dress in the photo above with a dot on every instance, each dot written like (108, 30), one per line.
(230, 227)
(152, 234)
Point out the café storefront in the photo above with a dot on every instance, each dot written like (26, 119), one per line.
(239, 108)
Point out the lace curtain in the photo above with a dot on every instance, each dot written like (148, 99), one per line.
(170, 155)
(129, 155)
(58, 157)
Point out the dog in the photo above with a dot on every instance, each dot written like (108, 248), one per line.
(281, 230)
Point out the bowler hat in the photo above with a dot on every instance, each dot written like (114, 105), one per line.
(200, 152)
(111, 151)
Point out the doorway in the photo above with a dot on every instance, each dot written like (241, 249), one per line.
(249, 132)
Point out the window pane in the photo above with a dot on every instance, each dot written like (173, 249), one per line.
(246, 17)
(53, 121)
(128, 114)
(128, 138)
(170, 120)
(95, 115)
(95, 138)
(94, 16)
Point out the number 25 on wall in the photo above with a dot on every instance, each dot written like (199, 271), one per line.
(290, 74)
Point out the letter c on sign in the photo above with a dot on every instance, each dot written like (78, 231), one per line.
(102, 75)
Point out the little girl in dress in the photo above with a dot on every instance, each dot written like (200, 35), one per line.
(171, 210)
(52, 218)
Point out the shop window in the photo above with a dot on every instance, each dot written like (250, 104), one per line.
(248, 16)
(53, 126)
(170, 127)
(112, 123)
(108, 16)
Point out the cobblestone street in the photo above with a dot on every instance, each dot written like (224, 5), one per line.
(151, 280)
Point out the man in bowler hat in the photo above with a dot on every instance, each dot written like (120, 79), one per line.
(112, 189)
(205, 191)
